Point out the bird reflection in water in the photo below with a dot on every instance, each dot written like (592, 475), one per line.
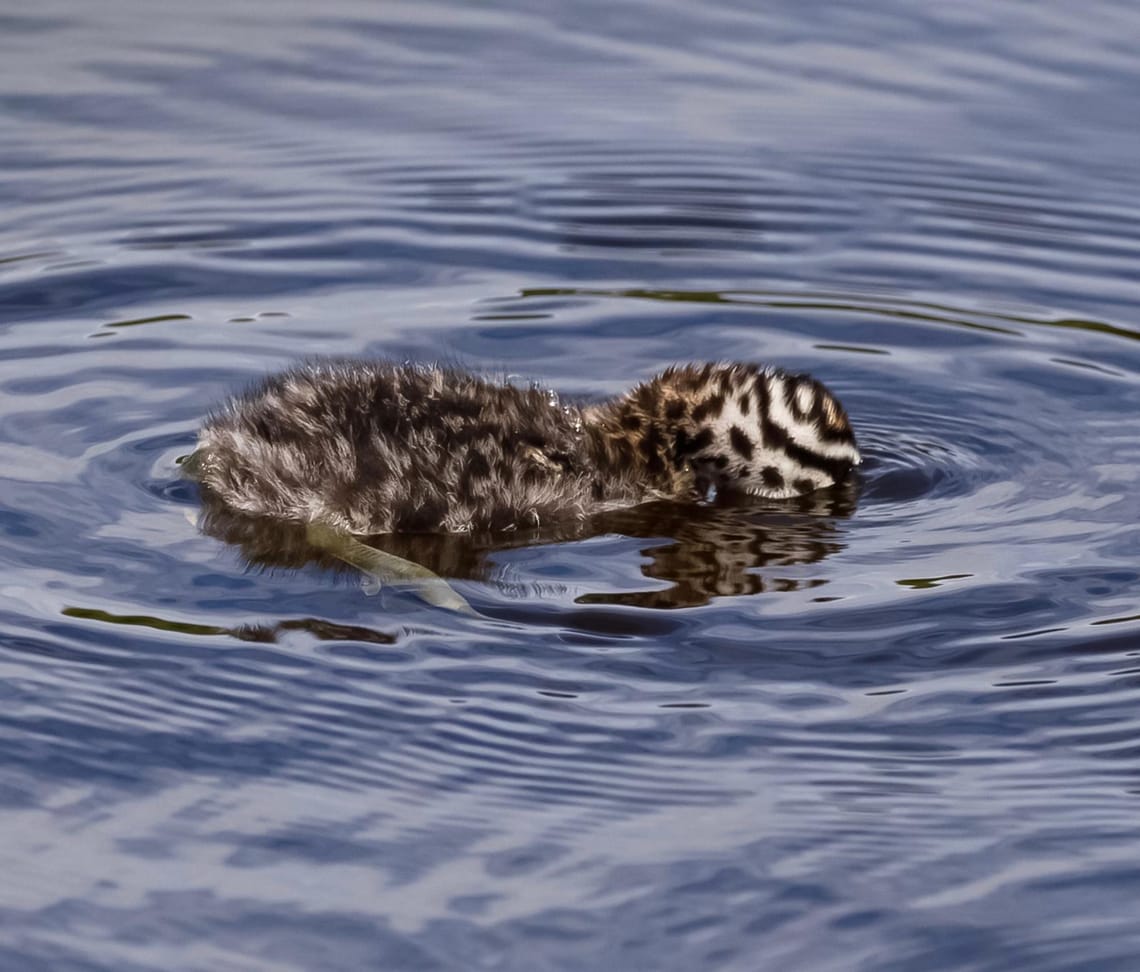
(731, 547)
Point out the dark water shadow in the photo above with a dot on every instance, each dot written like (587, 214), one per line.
(318, 628)
(881, 305)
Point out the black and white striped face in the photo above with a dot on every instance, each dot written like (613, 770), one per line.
(768, 433)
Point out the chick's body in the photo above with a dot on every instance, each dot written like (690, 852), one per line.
(374, 447)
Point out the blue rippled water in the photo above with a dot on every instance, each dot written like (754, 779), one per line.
(898, 731)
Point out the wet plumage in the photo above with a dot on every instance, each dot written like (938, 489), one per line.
(371, 447)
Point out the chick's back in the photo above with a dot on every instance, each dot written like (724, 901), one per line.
(377, 447)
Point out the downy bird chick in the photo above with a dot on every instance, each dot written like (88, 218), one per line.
(372, 447)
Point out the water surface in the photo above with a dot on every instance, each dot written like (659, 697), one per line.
(894, 731)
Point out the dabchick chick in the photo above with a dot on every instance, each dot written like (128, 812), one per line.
(373, 447)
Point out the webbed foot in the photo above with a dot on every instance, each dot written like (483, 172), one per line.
(380, 567)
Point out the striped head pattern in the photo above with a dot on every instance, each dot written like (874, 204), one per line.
(760, 431)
